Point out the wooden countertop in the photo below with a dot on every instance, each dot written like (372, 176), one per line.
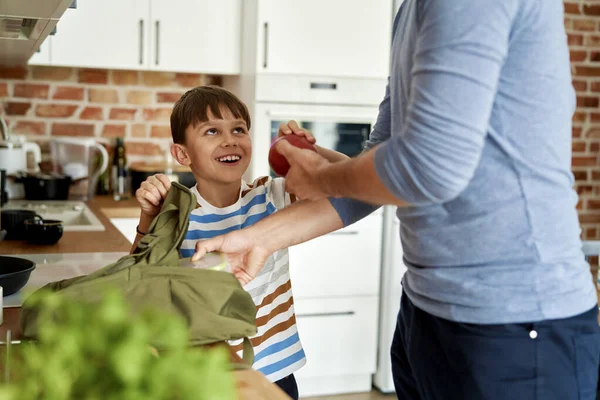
(109, 240)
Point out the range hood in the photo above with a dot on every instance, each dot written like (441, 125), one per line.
(24, 25)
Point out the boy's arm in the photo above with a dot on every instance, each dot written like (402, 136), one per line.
(143, 226)
(331, 155)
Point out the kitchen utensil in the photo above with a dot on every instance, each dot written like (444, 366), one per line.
(14, 273)
(84, 160)
(13, 222)
(140, 171)
(3, 192)
(43, 231)
(42, 186)
(13, 158)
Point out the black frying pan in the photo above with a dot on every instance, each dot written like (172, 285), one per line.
(14, 273)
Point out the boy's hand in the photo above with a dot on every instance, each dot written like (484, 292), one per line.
(151, 194)
(291, 127)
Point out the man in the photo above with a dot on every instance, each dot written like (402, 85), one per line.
(472, 142)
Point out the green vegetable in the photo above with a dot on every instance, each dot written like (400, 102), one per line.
(105, 352)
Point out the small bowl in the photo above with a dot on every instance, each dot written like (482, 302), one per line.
(43, 231)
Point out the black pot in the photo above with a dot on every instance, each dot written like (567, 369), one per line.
(46, 187)
(14, 273)
(13, 222)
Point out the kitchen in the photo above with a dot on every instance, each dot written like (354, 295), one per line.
(114, 69)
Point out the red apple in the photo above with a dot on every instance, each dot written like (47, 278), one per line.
(278, 163)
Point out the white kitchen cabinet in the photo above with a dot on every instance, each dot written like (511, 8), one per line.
(324, 38)
(200, 36)
(195, 35)
(102, 34)
(339, 336)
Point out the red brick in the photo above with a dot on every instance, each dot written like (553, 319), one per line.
(143, 148)
(591, 234)
(589, 218)
(103, 96)
(139, 97)
(13, 72)
(595, 86)
(51, 73)
(122, 113)
(578, 55)
(591, 9)
(157, 114)
(72, 129)
(160, 131)
(593, 204)
(579, 116)
(583, 161)
(55, 110)
(587, 101)
(584, 189)
(580, 86)
(596, 175)
(167, 97)
(575, 39)
(587, 71)
(594, 117)
(584, 25)
(189, 80)
(576, 132)
(96, 76)
(579, 205)
(29, 128)
(139, 130)
(120, 77)
(593, 132)
(592, 40)
(153, 78)
(578, 147)
(580, 175)
(572, 8)
(112, 130)
(3, 89)
(94, 113)
(69, 93)
(17, 108)
(594, 147)
(33, 91)
(594, 56)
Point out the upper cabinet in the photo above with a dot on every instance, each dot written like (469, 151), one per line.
(195, 35)
(178, 35)
(349, 38)
(102, 34)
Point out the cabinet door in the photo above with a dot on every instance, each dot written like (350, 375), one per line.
(331, 38)
(42, 55)
(196, 36)
(102, 34)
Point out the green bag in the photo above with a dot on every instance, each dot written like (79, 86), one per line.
(213, 303)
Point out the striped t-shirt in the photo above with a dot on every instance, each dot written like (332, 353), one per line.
(277, 348)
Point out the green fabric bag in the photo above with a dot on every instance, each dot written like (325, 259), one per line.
(213, 303)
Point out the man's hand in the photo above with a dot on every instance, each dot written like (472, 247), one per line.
(302, 178)
(245, 258)
(292, 128)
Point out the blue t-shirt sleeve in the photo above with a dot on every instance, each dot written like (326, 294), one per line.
(459, 52)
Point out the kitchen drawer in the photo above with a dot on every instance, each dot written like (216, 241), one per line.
(343, 263)
(339, 335)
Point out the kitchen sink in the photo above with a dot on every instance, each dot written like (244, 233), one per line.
(75, 215)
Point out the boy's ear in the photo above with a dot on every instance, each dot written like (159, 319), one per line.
(179, 153)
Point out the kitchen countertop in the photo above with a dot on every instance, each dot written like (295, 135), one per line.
(109, 240)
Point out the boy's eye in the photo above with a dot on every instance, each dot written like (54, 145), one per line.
(211, 131)
(239, 130)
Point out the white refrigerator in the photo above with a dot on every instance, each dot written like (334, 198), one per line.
(393, 270)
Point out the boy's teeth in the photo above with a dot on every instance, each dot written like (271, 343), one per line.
(229, 158)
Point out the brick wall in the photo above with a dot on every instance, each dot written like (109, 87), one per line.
(582, 22)
(41, 102)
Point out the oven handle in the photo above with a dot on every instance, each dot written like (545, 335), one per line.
(345, 118)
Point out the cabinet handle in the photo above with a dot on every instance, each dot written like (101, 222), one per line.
(157, 47)
(141, 34)
(332, 314)
(344, 233)
(323, 85)
(266, 45)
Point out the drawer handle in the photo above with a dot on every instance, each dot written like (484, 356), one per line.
(266, 45)
(323, 85)
(344, 233)
(333, 314)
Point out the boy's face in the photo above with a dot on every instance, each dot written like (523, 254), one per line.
(218, 150)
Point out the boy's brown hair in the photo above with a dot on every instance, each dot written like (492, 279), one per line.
(194, 105)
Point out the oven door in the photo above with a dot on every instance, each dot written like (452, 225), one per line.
(341, 128)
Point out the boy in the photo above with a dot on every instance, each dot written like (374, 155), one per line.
(210, 128)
